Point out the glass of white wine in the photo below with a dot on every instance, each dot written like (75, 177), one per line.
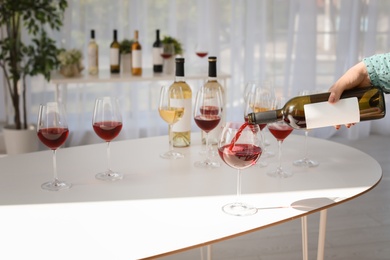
(170, 114)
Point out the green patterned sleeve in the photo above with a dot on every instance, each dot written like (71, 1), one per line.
(378, 68)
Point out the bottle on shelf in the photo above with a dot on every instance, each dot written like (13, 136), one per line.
(312, 111)
(136, 53)
(115, 54)
(213, 84)
(181, 131)
(93, 55)
(157, 50)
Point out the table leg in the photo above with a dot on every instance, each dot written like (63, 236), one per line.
(321, 235)
(208, 253)
(304, 238)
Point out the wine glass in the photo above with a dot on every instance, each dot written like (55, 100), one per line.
(201, 48)
(207, 115)
(167, 53)
(305, 161)
(280, 130)
(240, 147)
(52, 131)
(107, 124)
(171, 110)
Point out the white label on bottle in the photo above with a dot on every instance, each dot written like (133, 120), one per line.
(157, 59)
(92, 51)
(114, 56)
(345, 111)
(136, 58)
(184, 124)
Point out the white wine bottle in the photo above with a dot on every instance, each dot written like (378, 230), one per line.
(93, 55)
(214, 85)
(114, 55)
(181, 131)
(157, 50)
(136, 56)
(313, 111)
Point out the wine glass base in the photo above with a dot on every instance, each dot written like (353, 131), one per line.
(305, 162)
(239, 209)
(55, 185)
(280, 173)
(172, 155)
(109, 176)
(207, 164)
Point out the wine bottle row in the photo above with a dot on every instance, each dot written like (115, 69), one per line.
(126, 46)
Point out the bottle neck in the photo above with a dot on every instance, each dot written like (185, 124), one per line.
(157, 35)
(265, 117)
(212, 70)
(115, 35)
(179, 74)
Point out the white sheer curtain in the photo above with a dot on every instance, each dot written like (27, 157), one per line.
(299, 44)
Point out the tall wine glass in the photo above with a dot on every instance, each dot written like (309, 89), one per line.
(240, 146)
(207, 115)
(107, 124)
(53, 130)
(171, 111)
(168, 53)
(305, 161)
(280, 130)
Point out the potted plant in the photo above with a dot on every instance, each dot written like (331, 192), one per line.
(19, 59)
(70, 62)
(169, 64)
(125, 51)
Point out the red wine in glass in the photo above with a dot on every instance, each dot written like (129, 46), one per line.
(53, 137)
(280, 131)
(240, 156)
(166, 55)
(207, 123)
(209, 110)
(107, 130)
(201, 54)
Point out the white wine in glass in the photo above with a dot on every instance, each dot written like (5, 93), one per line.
(171, 112)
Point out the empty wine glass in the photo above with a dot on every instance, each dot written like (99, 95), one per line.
(52, 131)
(280, 130)
(207, 115)
(305, 161)
(240, 146)
(107, 124)
(171, 110)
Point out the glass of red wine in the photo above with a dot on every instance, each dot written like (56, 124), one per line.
(52, 131)
(168, 53)
(171, 110)
(107, 124)
(280, 130)
(240, 146)
(207, 115)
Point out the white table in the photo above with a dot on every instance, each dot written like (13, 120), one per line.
(161, 206)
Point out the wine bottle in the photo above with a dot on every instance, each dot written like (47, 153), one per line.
(157, 50)
(181, 131)
(93, 55)
(312, 111)
(214, 85)
(136, 53)
(114, 55)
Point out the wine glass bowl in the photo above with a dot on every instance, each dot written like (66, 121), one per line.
(107, 124)
(53, 131)
(240, 146)
(207, 115)
(171, 111)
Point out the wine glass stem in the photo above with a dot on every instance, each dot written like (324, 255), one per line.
(238, 185)
(207, 146)
(108, 157)
(280, 153)
(170, 137)
(55, 166)
(306, 134)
